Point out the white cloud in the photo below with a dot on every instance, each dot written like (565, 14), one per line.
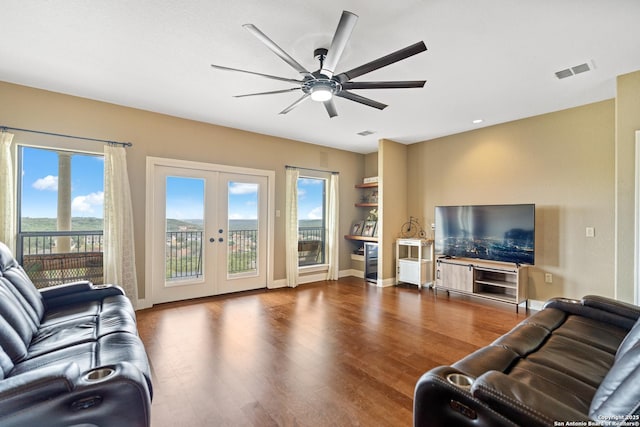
(243, 188)
(315, 213)
(49, 183)
(88, 204)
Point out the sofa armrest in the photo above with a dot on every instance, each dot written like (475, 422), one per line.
(62, 395)
(75, 292)
(521, 403)
(22, 391)
(598, 308)
(65, 289)
(438, 401)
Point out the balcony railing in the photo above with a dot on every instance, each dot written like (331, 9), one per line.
(45, 266)
(37, 252)
(311, 242)
(183, 255)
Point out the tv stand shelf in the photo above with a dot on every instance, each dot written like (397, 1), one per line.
(502, 282)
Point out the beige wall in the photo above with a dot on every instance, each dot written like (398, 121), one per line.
(627, 123)
(164, 136)
(563, 162)
(392, 168)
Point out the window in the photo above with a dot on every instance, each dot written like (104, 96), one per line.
(311, 221)
(60, 215)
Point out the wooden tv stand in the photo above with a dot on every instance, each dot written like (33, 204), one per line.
(504, 282)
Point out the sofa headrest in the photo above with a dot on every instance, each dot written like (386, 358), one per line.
(618, 395)
(630, 341)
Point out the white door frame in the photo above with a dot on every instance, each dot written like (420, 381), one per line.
(636, 234)
(151, 165)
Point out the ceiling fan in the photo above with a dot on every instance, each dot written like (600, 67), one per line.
(322, 85)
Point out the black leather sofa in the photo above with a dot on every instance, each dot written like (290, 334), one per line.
(69, 354)
(575, 362)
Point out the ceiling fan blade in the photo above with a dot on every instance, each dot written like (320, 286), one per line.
(276, 49)
(331, 108)
(268, 93)
(283, 79)
(383, 85)
(383, 61)
(340, 38)
(295, 104)
(361, 99)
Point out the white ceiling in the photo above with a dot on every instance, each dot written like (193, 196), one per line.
(487, 59)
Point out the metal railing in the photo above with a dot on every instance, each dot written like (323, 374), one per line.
(183, 254)
(311, 244)
(242, 251)
(37, 252)
(46, 263)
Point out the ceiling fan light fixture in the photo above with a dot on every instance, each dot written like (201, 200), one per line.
(321, 93)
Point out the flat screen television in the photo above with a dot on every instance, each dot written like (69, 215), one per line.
(504, 233)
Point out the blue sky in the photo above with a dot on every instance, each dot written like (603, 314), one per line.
(184, 195)
(40, 184)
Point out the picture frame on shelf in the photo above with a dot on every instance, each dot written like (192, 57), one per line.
(356, 228)
(369, 228)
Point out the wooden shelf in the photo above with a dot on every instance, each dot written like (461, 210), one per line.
(367, 185)
(361, 238)
(366, 205)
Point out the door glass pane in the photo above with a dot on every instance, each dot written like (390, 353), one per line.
(311, 221)
(242, 249)
(184, 227)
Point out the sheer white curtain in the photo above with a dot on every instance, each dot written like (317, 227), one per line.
(119, 257)
(333, 228)
(7, 197)
(291, 230)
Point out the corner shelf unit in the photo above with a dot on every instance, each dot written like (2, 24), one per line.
(361, 238)
(484, 279)
(364, 205)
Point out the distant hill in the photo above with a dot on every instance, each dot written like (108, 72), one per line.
(50, 224)
(93, 224)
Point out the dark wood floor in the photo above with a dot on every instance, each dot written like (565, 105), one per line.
(332, 353)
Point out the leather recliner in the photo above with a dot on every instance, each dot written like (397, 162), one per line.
(576, 362)
(69, 354)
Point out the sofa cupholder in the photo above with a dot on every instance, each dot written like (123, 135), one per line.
(460, 380)
(101, 286)
(99, 374)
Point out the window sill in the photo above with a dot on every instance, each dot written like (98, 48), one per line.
(313, 268)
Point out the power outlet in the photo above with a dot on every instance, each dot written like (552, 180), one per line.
(548, 278)
(590, 232)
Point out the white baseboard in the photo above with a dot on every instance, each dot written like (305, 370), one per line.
(280, 283)
(352, 272)
(535, 305)
(143, 303)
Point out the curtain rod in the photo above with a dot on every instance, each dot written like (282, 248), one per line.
(123, 144)
(310, 169)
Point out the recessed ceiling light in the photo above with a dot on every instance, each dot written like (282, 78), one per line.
(477, 121)
(366, 132)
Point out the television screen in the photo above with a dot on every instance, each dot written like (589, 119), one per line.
(492, 232)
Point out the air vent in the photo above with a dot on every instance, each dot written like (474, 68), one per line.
(564, 73)
(568, 72)
(366, 132)
(580, 68)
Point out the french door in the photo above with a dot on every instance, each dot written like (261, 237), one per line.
(210, 232)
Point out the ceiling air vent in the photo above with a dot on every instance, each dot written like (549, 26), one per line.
(568, 72)
(366, 132)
